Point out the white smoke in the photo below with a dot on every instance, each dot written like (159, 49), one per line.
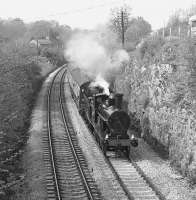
(120, 56)
(86, 51)
(99, 81)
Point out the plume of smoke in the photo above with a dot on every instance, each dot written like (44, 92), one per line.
(120, 56)
(108, 38)
(99, 81)
(88, 53)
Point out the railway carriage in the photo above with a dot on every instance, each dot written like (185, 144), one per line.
(108, 122)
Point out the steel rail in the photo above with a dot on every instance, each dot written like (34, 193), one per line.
(87, 188)
(51, 149)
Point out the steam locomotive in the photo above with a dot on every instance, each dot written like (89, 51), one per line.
(103, 112)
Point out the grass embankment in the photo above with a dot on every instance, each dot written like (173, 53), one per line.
(21, 77)
(159, 85)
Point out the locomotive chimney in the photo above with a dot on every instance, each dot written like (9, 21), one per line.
(118, 100)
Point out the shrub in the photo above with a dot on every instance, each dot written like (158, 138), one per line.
(162, 94)
(20, 81)
(55, 55)
(150, 48)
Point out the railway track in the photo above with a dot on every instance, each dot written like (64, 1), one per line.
(68, 176)
(131, 178)
(136, 185)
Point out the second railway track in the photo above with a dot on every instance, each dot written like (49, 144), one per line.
(68, 176)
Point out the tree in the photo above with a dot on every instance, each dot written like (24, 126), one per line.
(177, 24)
(120, 22)
(59, 35)
(39, 29)
(12, 29)
(65, 33)
(138, 29)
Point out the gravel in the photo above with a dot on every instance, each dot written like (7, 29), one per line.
(171, 184)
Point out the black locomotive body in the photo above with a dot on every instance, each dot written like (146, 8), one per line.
(108, 122)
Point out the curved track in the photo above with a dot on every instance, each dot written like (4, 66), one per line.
(68, 176)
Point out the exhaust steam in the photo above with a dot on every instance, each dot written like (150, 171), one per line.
(89, 53)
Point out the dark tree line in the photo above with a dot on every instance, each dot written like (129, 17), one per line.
(20, 80)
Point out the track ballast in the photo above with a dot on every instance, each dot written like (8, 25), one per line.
(135, 184)
(68, 176)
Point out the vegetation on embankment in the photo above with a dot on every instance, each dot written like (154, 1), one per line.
(159, 85)
(22, 70)
(20, 80)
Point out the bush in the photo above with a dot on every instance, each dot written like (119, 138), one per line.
(162, 94)
(55, 55)
(150, 48)
(20, 81)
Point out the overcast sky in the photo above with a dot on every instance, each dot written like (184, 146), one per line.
(89, 13)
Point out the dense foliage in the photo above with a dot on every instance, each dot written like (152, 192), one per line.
(159, 85)
(19, 82)
(22, 71)
(137, 30)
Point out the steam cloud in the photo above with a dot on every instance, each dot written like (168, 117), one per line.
(99, 81)
(87, 53)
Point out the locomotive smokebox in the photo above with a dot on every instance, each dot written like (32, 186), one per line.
(118, 100)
